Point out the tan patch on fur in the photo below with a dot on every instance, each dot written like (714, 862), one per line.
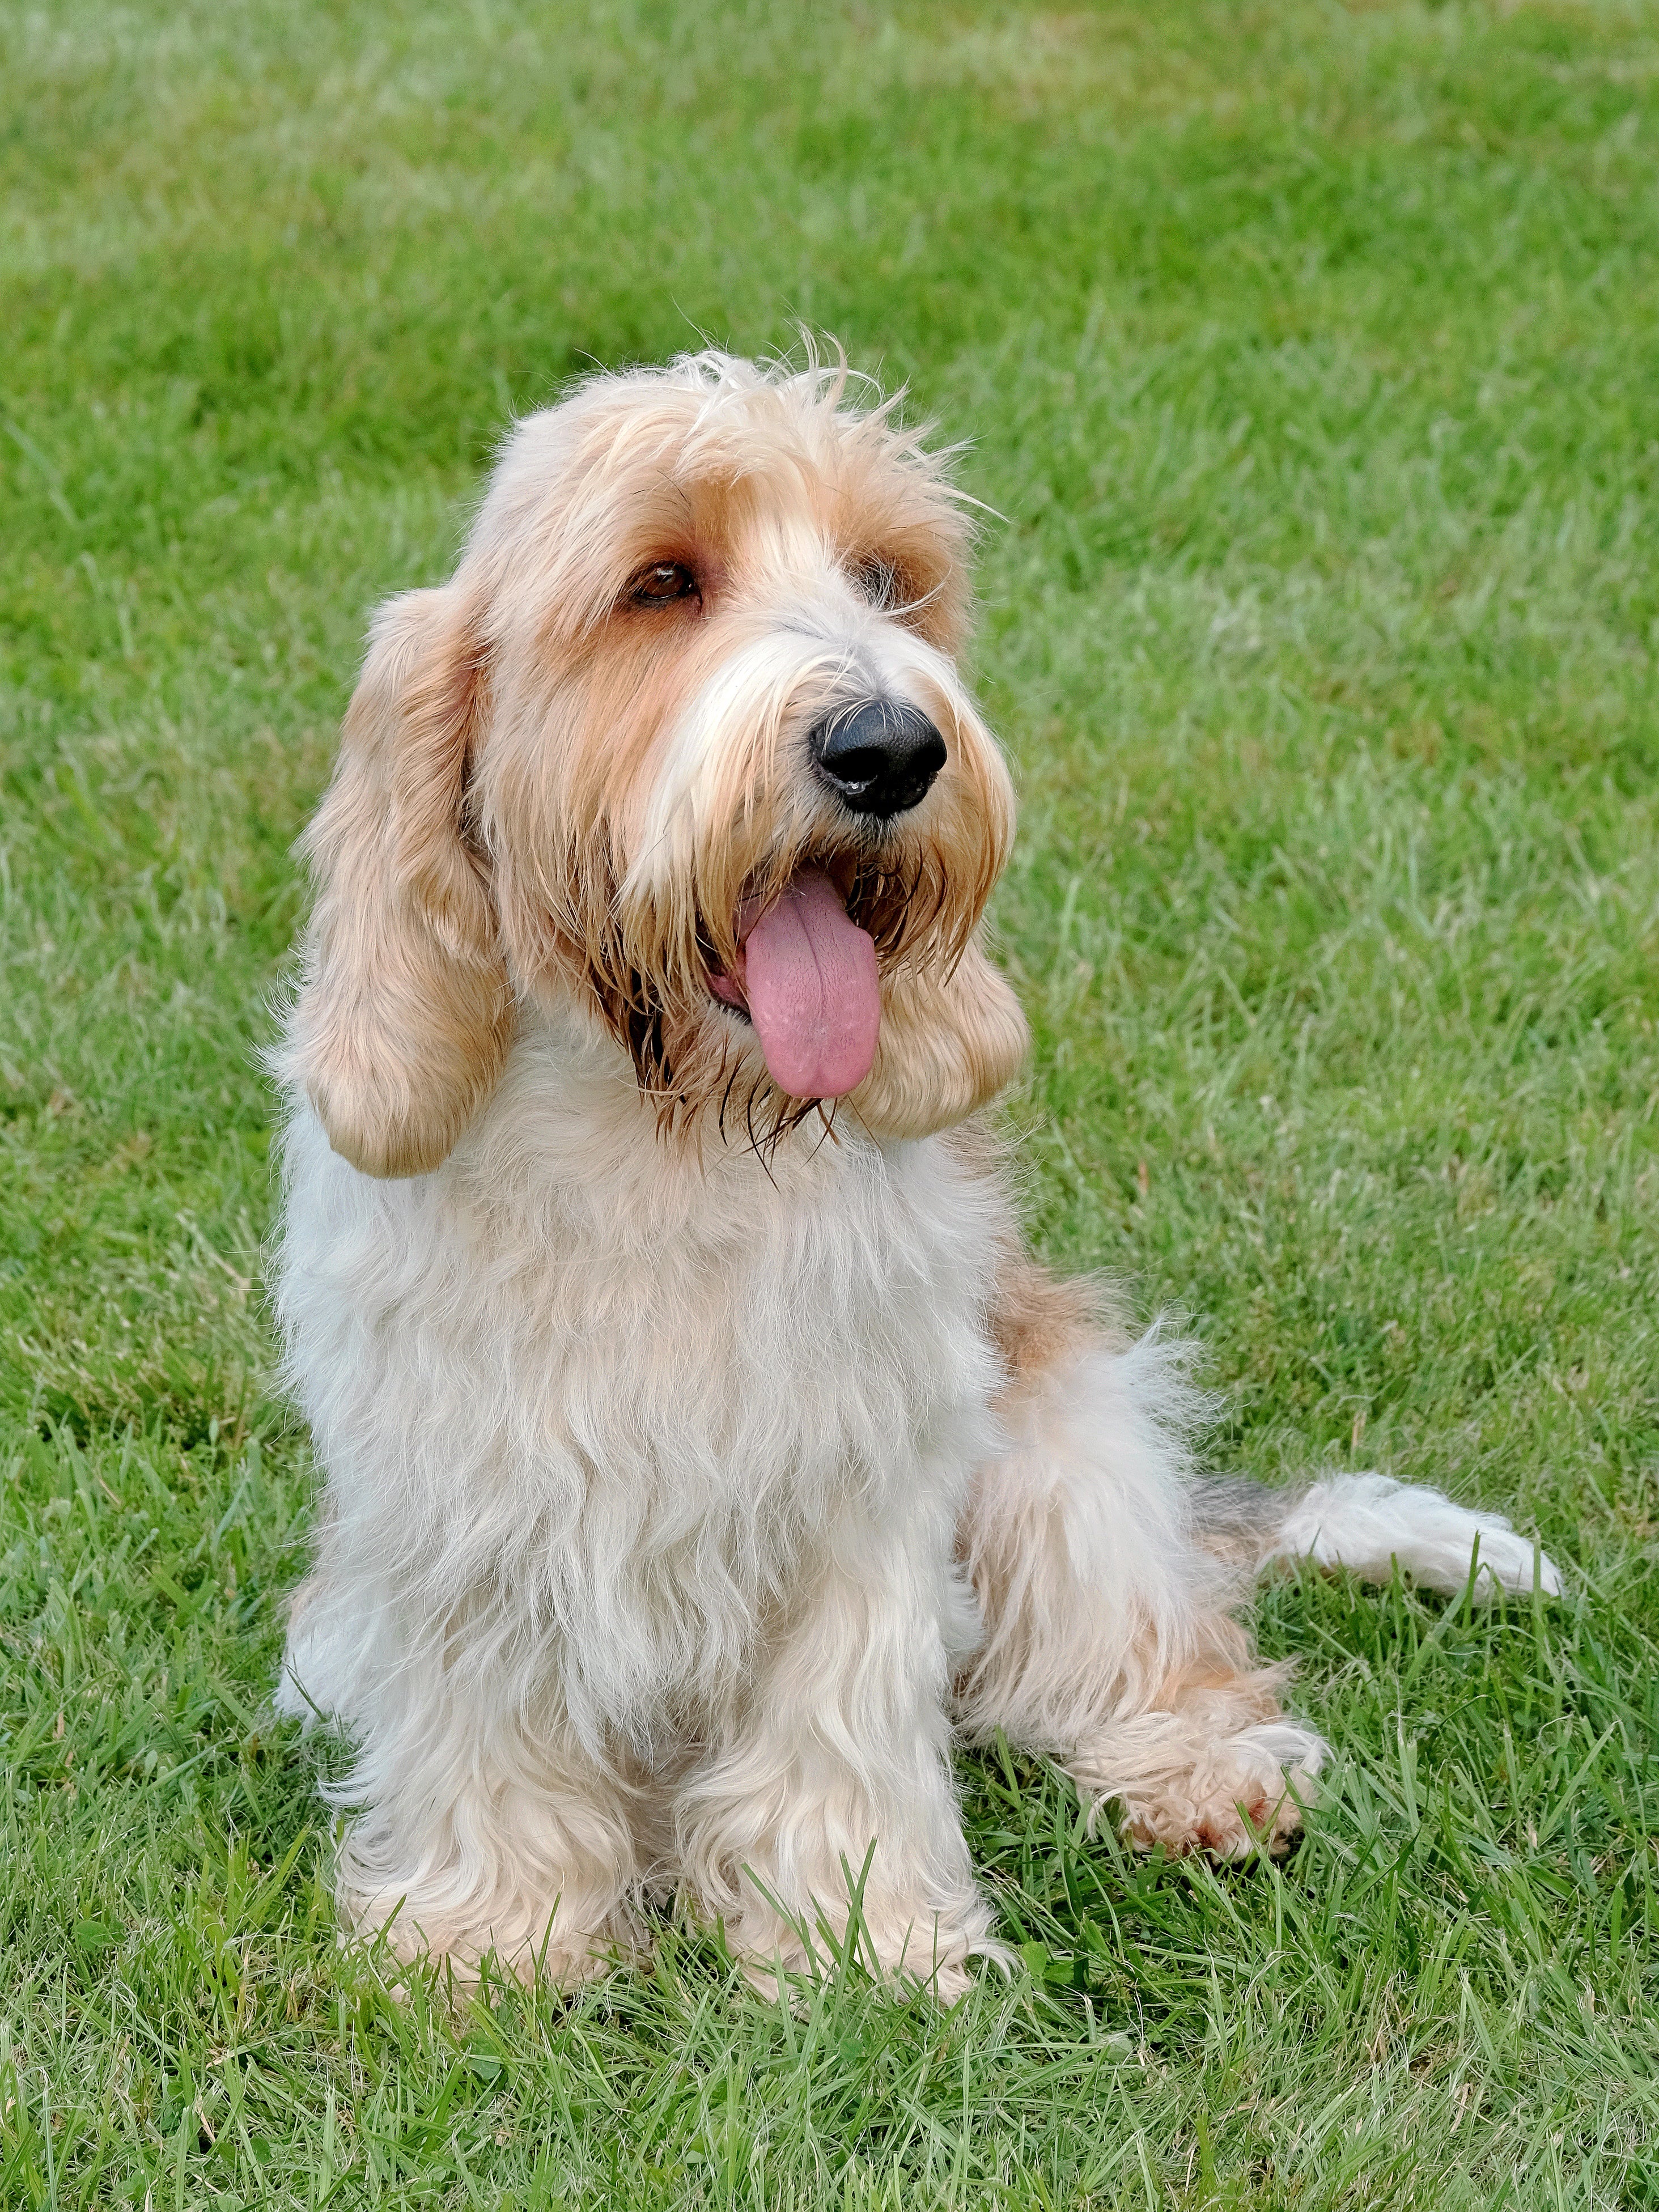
(404, 1016)
(1039, 1322)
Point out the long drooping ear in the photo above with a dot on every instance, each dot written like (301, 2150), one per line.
(403, 1014)
(946, 1048)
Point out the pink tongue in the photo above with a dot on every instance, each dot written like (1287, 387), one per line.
(810, 978)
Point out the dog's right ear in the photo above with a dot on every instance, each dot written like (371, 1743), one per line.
(403, 1014)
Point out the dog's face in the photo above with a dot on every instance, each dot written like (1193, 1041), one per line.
(682, 745)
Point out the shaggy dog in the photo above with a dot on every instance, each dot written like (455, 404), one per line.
(703, 1451)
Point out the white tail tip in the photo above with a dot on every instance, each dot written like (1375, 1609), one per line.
(1369, 1522)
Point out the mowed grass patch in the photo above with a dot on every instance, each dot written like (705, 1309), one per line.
(1309, 360)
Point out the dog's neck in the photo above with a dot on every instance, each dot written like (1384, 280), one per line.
(569, 1122)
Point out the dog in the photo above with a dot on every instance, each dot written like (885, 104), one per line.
(704, 1454)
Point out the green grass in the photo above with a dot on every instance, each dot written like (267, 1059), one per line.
(1311, 357)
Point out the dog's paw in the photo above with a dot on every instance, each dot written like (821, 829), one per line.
(458, 1948)
(1235, 1795)
(915, 1952)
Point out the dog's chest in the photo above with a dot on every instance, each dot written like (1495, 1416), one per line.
(648, 1390)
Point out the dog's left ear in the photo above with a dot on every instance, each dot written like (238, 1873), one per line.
(947, 1046)
(404, 1015)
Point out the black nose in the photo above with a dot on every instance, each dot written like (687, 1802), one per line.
(881, 756)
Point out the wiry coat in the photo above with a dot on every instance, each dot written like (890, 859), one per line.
(697, 1462)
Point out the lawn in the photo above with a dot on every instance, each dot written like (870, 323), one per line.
(1309, 358)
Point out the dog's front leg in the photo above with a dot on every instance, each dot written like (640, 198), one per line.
(481, 1832)
(825, 1812)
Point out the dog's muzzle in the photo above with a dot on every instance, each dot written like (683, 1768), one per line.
(879, 756)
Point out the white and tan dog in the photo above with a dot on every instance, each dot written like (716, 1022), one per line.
(703, 1453)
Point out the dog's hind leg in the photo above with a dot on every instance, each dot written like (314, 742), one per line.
(1107, 1575)
(1109, 1641)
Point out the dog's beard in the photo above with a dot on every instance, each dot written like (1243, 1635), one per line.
(715, 1037)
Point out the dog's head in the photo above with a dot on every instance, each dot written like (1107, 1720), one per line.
(682, 745)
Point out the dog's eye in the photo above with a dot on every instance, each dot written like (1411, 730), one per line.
(662, 581)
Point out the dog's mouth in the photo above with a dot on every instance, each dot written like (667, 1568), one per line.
(806, 976)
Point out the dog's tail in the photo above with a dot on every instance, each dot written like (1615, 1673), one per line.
(1370, 1524)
